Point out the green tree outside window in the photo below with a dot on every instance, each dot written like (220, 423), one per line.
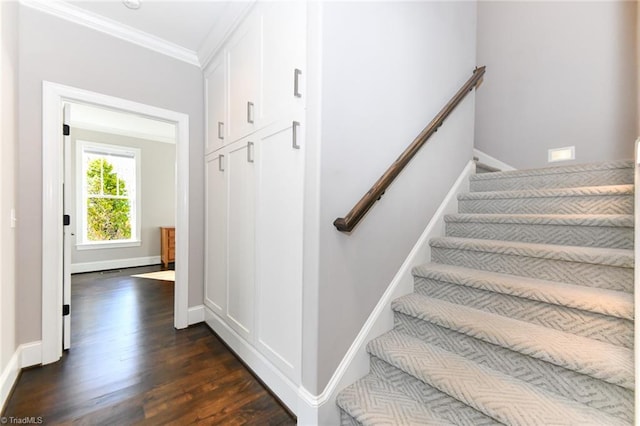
(108, 208)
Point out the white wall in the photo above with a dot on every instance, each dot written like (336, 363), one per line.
(61, 52)
(8, 143)
(387, 69)
(558, 74)
(158, 178)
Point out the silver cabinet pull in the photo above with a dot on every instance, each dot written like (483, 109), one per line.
(296, 83)
(250, 112)
(294, 131)
(220, 130)
(250, 152)
(221, 163)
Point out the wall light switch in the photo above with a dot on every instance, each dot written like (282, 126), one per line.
(13, 220)
(562, 154)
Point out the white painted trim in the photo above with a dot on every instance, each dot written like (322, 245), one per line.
(104, 265)
(53, 96)
(321, 409)
(181, 298)
(491, 161)
(77, 15)
(226, 24)
(30, 354)
(8, 377)
(123, 132)
(26, 355)
(52, 208)
(312, 223)
(108, 244)
(196, 314)
(278, 383)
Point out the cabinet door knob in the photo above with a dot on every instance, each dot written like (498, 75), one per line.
(296, 83)
(250, 152)
(220, 130)
(221, 163)
(250, 112)
(294, 136)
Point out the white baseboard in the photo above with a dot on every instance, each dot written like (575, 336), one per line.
(26, 355)
(278, 383)
(321, 409)
(491, 161)
(8, 378)
(30, 354)
(196, 314)
(104, 265)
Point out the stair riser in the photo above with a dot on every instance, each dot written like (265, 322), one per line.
(585, 236)
(442, 404)
(601, 276)
(564, 180)
(611, 399)
(588, 204)
(587, 324)
(347, 420)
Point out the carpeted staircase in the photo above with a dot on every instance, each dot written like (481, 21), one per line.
(524, 315)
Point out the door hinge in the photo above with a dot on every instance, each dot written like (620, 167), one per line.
(66, 130)
(66, 309)
(66, 220)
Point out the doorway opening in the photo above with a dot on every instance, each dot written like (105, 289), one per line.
(53, 271)
(118, 194)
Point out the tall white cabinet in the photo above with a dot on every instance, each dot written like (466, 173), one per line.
(254, 167)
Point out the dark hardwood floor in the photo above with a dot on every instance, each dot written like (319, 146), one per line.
(128, 365)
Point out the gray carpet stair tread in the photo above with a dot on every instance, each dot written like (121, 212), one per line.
(621, 258)
(524, 315)
(607, 302)
(604, 361)
(498, 395)
(485, 168)
(557, 170)
(373, 401)
(585, 191)
(596, 220)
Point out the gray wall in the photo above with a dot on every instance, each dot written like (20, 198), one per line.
(8, 148)
(158, 178)
(62, 52)
(387, 69)
(558, 74)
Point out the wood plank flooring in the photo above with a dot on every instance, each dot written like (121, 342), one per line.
(128, 365)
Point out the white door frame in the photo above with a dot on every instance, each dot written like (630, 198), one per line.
(53, 96)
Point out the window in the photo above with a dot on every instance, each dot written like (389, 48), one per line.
(108, 195)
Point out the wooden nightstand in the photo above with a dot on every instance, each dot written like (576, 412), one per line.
(168, 245)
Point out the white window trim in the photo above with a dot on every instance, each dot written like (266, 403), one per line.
(81, 242)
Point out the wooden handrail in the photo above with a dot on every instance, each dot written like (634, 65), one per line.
(347, 223)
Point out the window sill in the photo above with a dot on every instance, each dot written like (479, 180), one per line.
(108, 245)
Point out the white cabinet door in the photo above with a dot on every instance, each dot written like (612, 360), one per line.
(215, 294)
(216, 99)
(241, 219)
(279, 249)
(243, 56)
(283, 47)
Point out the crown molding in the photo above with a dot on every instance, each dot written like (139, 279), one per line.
(227, 22)
(113, 28)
